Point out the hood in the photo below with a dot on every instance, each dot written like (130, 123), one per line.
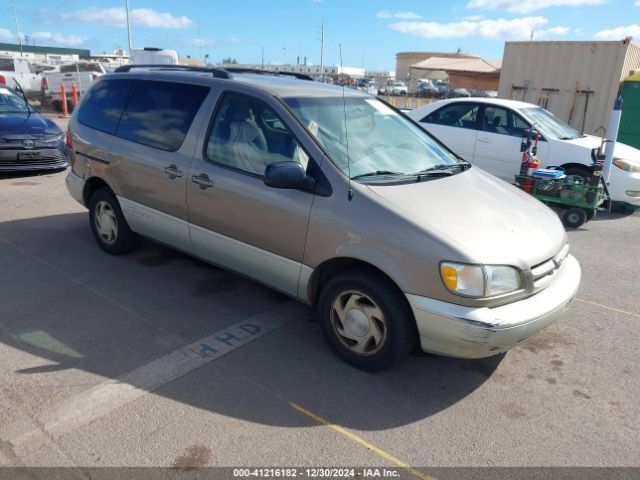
(485, 219)
(589, 142)
(21, 125)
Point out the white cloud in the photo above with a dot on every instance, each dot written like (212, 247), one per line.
(142, 17)
(201, 42)
(528, 6)
(6, 35)
(61, 39)
(399, 15)
(619, 33)
(516, 28)
(475, 18)
(316, 1)
(637, 3)
(551, 32)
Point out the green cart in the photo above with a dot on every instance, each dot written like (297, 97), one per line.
(575, 201)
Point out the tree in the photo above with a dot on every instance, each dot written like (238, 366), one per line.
(229, 60)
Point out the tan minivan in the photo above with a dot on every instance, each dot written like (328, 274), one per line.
(327, 195)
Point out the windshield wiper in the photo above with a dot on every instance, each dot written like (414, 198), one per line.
(443, 169)
(377, 173)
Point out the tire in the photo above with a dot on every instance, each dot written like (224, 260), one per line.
(108, 224)
(381, 330)
(578, 172)
(574, 217)
(591, 214)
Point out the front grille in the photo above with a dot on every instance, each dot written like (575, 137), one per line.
(544, 272)
(47, 158)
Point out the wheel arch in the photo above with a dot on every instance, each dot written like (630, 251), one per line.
(91, 186)
(579, 166)
(329, 268)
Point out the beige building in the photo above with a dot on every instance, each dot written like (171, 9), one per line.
(577, 81)
(404, 61)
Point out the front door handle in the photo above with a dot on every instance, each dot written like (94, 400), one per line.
(202, 180)
(484, 140)
(172, 172)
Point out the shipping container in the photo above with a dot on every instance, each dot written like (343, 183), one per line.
(577, 81)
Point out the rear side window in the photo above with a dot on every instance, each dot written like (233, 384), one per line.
(159, 114)
(455, 115)
(104, 104)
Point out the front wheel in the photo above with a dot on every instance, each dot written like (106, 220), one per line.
(365, 320)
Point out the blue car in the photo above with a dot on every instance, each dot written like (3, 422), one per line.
(28, 139)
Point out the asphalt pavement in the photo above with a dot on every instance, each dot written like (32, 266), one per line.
(157, 359)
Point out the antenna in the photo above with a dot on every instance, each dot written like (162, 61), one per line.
(15, 18)
(346, 131)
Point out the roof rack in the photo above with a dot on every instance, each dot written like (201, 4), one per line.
(216, 72)
(300, 76)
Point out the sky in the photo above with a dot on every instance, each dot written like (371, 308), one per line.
(370, 32)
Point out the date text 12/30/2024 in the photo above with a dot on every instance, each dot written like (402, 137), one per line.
(315, 473)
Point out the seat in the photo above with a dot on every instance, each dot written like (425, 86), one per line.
(246, 141)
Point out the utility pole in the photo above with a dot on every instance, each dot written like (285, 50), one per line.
(262, 65)
(200, 41)
(126, 7)
(322, 49)
(15, 18)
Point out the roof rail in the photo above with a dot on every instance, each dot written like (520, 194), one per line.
(300, 76)
(216, 72)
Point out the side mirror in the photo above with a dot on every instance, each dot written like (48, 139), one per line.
(290, 175)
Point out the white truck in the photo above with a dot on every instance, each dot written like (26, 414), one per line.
(153, 56)
(22, 71)
(82, 73)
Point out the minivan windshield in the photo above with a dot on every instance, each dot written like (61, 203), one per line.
(550, 125)
(366, 138)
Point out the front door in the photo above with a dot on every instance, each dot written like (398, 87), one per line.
(235, 220)
(497, 148)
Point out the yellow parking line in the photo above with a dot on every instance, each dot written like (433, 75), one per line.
(352, 436)
(608, 307)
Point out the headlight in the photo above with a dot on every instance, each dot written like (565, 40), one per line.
(54, 138)
(479, 280)
(632, 166)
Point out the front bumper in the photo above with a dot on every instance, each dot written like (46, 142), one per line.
(624, 186)
(468, 332)
(43, 159)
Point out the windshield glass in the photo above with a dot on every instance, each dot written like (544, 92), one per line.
(378, 138)
(10, 102)
(550, 125)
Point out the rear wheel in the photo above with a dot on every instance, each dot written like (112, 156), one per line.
(366, 320)
(108, 224)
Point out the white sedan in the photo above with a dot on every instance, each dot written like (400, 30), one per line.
(488, 133)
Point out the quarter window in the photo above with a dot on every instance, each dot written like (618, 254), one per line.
(104, 103)
(159, 114)
(455, 115)
(248, 135)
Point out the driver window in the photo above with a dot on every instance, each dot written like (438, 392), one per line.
(248, 135)
(504, 122)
